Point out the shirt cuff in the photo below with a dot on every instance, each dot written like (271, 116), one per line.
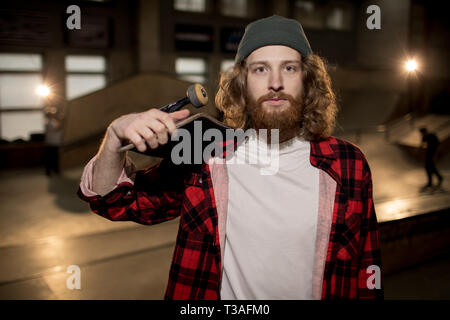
(127, 175)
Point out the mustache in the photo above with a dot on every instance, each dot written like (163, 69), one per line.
(278, 95)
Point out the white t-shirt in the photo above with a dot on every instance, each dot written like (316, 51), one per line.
(271, 224)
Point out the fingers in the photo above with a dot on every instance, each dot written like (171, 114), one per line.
(169, 118)
(149, 128)
(165, 119)
(149, 136)
(180, 115)
(135, 138)
(159, 131)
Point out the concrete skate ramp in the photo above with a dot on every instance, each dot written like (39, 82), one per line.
(407, 133)
(87, 117)
(91, 114)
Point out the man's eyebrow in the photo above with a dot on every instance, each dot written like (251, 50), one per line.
(258, 62)
(264, 62)
(291, 61)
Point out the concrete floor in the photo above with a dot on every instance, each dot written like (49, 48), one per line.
(427, 281)
(132, 263)
(45, 228)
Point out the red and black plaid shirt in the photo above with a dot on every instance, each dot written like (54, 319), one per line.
(166, 191)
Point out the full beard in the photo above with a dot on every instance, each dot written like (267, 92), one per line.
(285, 118)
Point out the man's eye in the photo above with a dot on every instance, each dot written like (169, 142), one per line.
(259, 69)
(291, 68)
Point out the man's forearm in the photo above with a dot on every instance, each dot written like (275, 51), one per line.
(149, 128)
(108, 166)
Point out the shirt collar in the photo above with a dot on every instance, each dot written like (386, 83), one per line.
(324, 157)
(322, 149)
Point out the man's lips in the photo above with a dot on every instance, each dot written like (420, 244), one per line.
(275, 101)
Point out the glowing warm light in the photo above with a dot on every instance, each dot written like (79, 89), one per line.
(411, 65)
(57, 268)
(43, 90)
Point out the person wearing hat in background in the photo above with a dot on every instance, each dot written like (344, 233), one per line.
(308, 231)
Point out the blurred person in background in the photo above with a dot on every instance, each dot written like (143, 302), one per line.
(431, 143)
(53, 135)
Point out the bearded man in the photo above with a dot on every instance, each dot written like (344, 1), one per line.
(309, 231)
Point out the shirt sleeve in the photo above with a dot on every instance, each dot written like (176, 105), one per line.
(370, 284)
(148, 196)
(86, 177)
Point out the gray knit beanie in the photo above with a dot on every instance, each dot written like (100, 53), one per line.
(274, 30)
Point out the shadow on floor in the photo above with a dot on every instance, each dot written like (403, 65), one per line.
(65, 190)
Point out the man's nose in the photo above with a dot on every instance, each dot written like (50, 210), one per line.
(276, 81)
